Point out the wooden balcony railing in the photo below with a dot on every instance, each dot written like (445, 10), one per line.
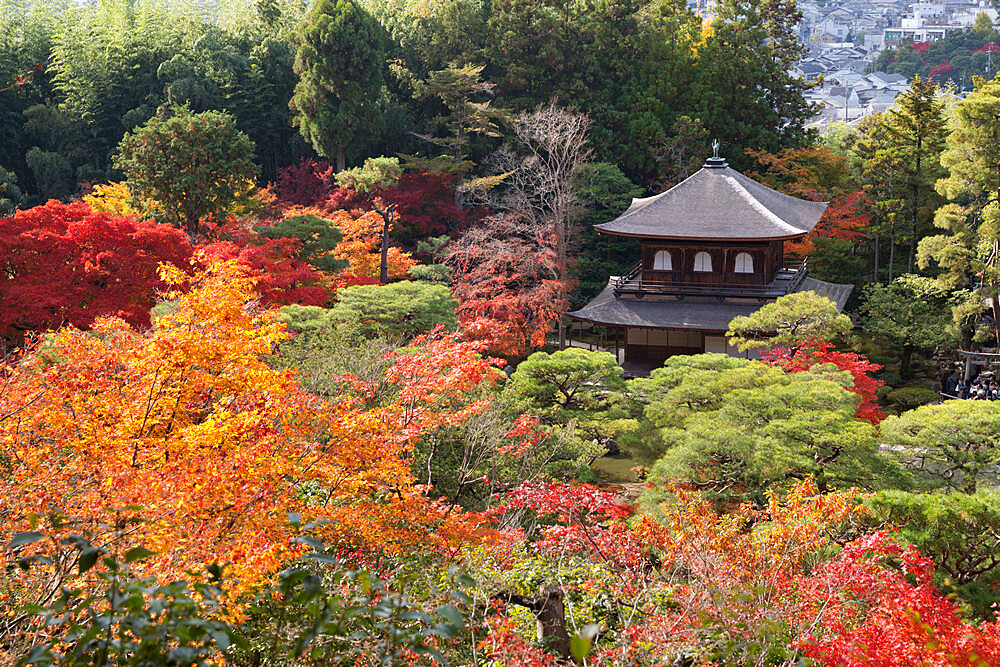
(787, 280)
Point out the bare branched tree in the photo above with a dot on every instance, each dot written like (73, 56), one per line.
(540, 178)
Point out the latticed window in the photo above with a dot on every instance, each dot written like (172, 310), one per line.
(744, 263)
(663, 261)
(703, 262)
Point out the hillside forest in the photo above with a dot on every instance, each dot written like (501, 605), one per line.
(285, 375)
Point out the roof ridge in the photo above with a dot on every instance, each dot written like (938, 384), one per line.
(777, 192)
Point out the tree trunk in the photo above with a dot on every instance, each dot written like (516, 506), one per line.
(550, 617)
(341, 160)
(892, 248)
(970, 483)
(191, 227)
(906, 362)
(996, 318)
(383, 271)
(915, 212)
(551, 621)
(875, 277)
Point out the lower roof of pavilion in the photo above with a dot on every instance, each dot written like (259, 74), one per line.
(693, 313)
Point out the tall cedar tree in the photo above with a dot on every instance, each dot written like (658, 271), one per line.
(339, 62)
(917, 120)
(880, 176)
(901, 149)
(971, 247)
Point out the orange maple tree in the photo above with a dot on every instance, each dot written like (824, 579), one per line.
(362, 232)
(505, 280)
(815, 172)
(184, 440)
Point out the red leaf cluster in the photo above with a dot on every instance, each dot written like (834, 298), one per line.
(816, 352)
(425, 202)
(281, 278)
(307, 183)
(869, 614)
(589, 522)
(66, 264)
(426, 206)
(504, 268)
(844, 220)
(944, 69)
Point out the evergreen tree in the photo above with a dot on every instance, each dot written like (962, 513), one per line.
(971, 248)
(339, 61)
(744, 92)
(879, 169)
(466, 97)
(735, 427)
(911, 313)
(917, 122)
(625, 63)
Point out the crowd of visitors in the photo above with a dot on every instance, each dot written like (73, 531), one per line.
(982, 387)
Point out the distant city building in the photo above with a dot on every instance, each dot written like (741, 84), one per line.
(843, 38)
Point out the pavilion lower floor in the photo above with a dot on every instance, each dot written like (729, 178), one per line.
(651, 328)
(646, 348)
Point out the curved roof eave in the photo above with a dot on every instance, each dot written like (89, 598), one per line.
(693, 238)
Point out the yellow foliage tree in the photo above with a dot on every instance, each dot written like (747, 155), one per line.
(185, 441)
(116, 198)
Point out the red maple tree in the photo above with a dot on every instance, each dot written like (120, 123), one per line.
(814, 352)
(67, 264)
(426, 206)
(281, 278)
(942, 70)
(871, 613)
(308, 183)
(505, 280)
(843, 220)
(425, 201)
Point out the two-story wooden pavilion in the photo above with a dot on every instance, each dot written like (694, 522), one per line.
(712, 248)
